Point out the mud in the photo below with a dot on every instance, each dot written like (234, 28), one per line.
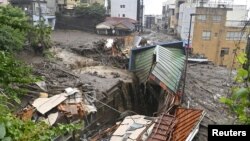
(206, 84)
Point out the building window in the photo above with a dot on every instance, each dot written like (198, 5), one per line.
(122, 6)
(217, 18)
(206, 35)
(233, 35)
(224, 51)
(202, 18)
(123, 15)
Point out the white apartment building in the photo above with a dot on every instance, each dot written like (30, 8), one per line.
(124, 8)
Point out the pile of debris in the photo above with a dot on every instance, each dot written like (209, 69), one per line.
(181, 126)
(110, 52)
(70, 106)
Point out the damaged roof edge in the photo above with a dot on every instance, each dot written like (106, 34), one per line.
(178, 45)
(196, 128)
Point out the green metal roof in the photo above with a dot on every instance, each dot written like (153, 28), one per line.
(143, 62)
(169, 66)
(166, 67)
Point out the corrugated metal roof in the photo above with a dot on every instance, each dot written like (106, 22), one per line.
(144, 61)
(187, 120)
(169, 66)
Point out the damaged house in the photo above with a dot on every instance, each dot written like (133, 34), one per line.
(116, 26)
(159, 72)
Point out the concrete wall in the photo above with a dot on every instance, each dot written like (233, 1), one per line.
(52, 5)
(184, 21)
(227, 60)
(130, 9)
(76, 23)
(238, 13)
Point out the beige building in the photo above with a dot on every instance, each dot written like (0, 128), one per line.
(216, 38)
(4, 2)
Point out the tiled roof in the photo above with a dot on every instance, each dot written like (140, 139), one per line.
(187, 120)
(163, 128)
(178, 127)
(119, 19)
(119, 23)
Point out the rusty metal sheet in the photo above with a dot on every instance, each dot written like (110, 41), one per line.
(187, 120)
(163, 128)
(176, 128)
(26, 114)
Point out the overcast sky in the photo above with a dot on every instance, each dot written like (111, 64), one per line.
(155, 6)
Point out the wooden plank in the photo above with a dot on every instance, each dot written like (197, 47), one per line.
(46, 105)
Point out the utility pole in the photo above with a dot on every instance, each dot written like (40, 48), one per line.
(40, 10)
(142, 7)
(187, 54)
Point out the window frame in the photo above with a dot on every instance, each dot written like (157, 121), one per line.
(202, 18)
(217, 18)
(225, 51)
(206, 35)
(233, 36)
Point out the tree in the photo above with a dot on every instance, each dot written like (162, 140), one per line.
(95, 10)
(14, 28)
(239, 101)
(13, 74)
(14, 17)
(11, 39)
(40, 33)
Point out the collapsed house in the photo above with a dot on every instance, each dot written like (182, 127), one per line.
(159, 71)
(116, 26)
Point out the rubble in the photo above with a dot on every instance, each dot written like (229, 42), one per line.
(181, 126)
(71, 103)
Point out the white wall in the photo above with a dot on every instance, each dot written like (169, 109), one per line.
(238, 13)
(184, 20)
(3, 2)
(51, 5)
(48, 20)
(130, 9)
